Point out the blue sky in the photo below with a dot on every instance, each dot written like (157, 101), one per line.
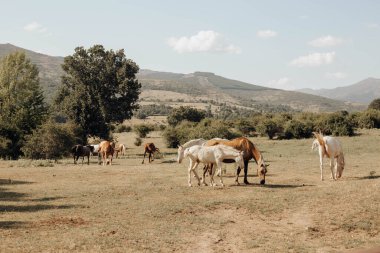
(287, 44)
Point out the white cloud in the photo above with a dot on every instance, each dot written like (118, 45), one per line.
(336, 75)
(326, 41)
(373, 25)
(266, 34)
(35, 27)
(282, 83)
(203, 41)
(314, 59)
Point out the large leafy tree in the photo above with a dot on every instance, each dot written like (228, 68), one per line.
(22, 106)
(99, 87)
(185, 113)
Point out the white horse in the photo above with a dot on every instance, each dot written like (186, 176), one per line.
(181, 148)
(215, 155)
(331, 148)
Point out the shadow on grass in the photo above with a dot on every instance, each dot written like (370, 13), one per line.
(365, 177)
(275, 186)
(11, 196)
(11, 224)
(46, 199)
(33, 208)
(169, 161)
(10, 181)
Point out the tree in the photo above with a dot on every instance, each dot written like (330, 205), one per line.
(98, 88)
(185, 113)
(375, 104)
(268, 127)
(22, 106)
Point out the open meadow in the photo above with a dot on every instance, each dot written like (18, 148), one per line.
(134, 207)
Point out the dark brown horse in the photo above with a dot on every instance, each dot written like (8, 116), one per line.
(250, 151)
(150, 149)
(80, 150)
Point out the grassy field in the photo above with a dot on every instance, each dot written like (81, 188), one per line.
(134, 207)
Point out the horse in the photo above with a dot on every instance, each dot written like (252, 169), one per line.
(331, 148)
(121, 148)
(106, 150)
(80, 150)
(250, 151)
(212, 155)
(181, 148)
(150, 149)
(95, 149)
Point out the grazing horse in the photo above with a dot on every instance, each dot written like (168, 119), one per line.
(151, 149)
(250, 151)
(105, 152)
(212, 155)
(121, 148)
(181, 148)
(80, 150)
(331, 148)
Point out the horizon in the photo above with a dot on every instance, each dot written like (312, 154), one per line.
(290, 45)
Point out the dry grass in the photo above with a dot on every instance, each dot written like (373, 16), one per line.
(130, 207)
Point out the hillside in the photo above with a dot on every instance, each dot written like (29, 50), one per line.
(197, 89)
(362, 92)
(49, 67)
(206, 87)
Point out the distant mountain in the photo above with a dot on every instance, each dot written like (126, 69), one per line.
(199, 88)
(49, 67)
(362, 92)
(206, 87)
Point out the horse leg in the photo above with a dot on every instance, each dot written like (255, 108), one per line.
(219, 165)
(144, 157)
(99, 158)
(246, 171)
(150, 157)
(321, 166)
(88, 159)
(110, 159)
(332, 161)
(237, 174)
(192, 165)
(205, 168)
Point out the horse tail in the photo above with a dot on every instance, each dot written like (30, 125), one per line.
(321, 142)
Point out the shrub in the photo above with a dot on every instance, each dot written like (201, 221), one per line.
(185, 113)
(375, 104)
(137, 141)
(297, 129)
(122, 128)
(337, 124)
(51, 141)
(143, 130)
(369, 119)
(268, 127)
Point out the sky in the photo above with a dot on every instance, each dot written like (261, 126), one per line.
(285, 44)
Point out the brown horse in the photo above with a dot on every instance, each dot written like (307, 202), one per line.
(250, 151)
(120, 149)
(106, 150)
(151, 149)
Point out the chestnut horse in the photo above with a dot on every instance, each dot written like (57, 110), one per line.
(150, 149)
(106, 150)
(250, 151)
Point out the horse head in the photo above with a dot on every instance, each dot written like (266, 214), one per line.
(180, 154)
(262, 171)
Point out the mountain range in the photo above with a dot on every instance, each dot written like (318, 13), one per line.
(362, 92)
(204, 88)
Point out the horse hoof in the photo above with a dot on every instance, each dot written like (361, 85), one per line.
(246, 182)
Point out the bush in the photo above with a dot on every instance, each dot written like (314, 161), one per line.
(338, 124)
(122, 128)
(137, 142)
(369, 119)
(185, 113)
(143, 130)
(51, 141)
(297, 129)
(375, 104)
(268, 127)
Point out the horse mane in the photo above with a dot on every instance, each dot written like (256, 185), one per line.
(322, 143)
